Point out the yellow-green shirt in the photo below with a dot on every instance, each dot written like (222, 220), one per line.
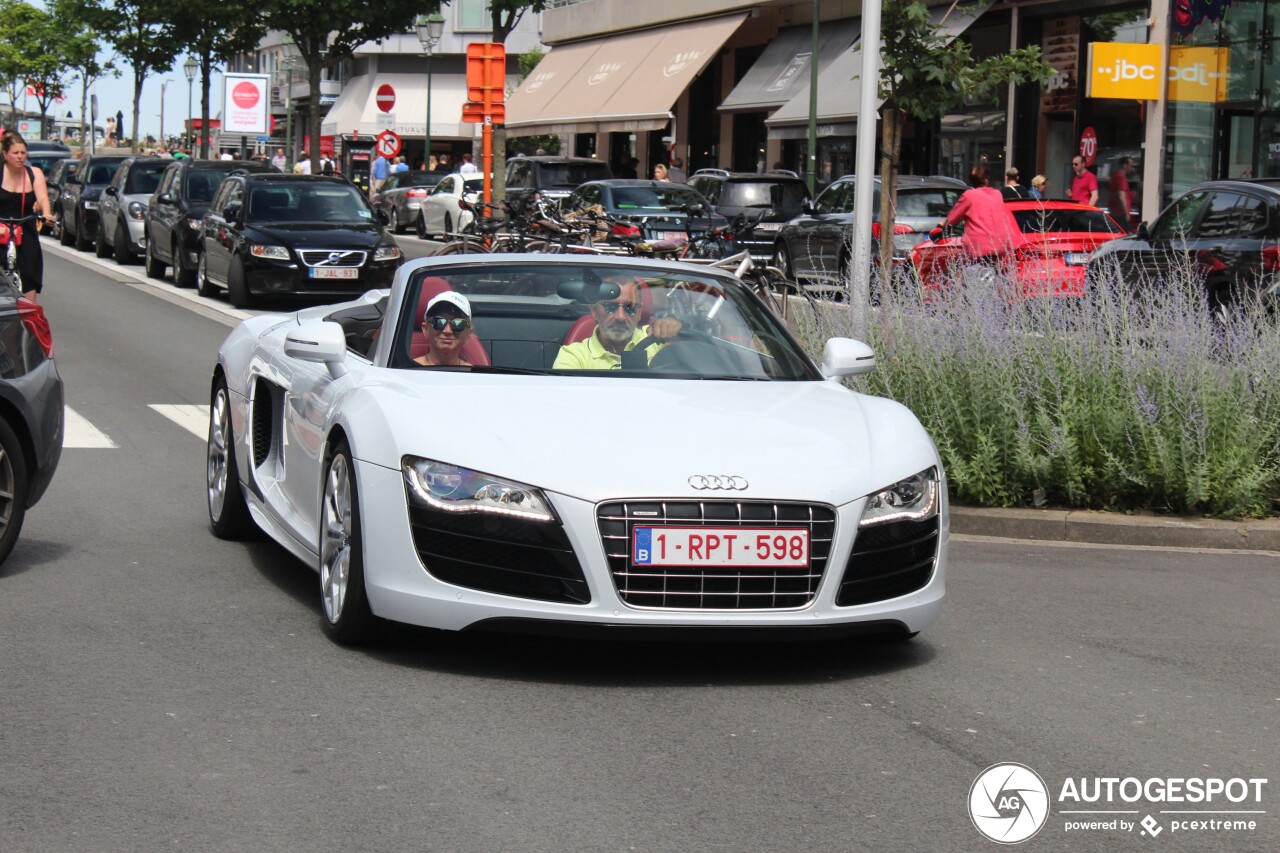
(590, 354)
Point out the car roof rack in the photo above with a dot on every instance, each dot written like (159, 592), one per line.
(722, 173)
(787, 172)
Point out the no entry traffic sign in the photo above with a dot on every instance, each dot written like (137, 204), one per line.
(388, 143)
(385, 97)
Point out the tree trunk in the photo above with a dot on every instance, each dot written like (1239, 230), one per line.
(206, 65)
(313, 113)
(499, 185)
(888, 193)
(138, 80)
(84, 112)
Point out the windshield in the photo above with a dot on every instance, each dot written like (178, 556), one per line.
(572, 175)
(201, 184)
(102, 173)
(543, 318)
(654, 198)
(760, 194)
(334, 203)
(144, 177)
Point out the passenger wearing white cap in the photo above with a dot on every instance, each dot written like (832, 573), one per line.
(447, 325)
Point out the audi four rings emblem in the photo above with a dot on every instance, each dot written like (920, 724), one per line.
(720, 482)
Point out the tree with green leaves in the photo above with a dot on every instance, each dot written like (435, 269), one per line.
(143, 34)
(926, 75)
(212, 34)
(328, 31)
(80, 52)
(21, 32)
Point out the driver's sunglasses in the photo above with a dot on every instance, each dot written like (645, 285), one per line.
(611, 308)
(458, 324)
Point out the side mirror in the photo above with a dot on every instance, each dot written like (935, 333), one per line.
(382, 216)
(320, 342)
(165, 198)
(847, 357)
(1144, 233)
(935, 234)
(111, 191)
(231, 213)
(73, 180)
(808, 207)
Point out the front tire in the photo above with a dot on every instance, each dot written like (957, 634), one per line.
(204, 287)
(393, 222)
(82, 239)
(182, 276)
(124, 255)
(60, 227)
(448, 227)
(13, 489)
(347, 618)
(237, 286)
(228, 512)
(422, 225)
(782, 261)
(153, 266)
(100, 247)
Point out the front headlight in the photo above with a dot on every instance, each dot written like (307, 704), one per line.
(386, 253)
(137, 210)
(271, 253)
(90, 205)
(912, 499)
(447, 487)
(194, 224)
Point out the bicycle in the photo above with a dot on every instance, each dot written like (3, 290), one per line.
(11, 231)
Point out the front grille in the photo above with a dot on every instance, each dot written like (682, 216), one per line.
(332, 257)
(718, 587)
(526, 559)
(889, 560)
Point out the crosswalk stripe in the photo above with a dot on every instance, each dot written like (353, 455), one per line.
(82, 434)
(192, 418)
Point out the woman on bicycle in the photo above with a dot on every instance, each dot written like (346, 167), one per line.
(23, 193)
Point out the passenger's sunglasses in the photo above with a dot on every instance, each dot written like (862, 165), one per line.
(458, 324)
(612, 308)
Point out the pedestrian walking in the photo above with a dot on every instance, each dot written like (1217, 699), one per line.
(1119, 193)
(1040, 187)
(1084, 186)
(676, 172)
(23, 192)
(278, 161)
(378, 174)
(660, 172)
(990, 231)
(467, 167)
(1012, 190)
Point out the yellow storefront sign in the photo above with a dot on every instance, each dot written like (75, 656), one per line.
(1133, 72)
(1198, 74)
(1122, 70)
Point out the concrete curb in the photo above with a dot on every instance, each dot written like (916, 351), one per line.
(1108, 528)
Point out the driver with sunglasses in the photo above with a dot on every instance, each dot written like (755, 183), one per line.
(617, 331)
(447, 325)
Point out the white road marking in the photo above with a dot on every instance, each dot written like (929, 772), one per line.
(194, 419)
(82, 434)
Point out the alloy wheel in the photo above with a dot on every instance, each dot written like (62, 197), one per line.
(335, 546)
(219, 448)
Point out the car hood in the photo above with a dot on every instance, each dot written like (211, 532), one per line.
(320, 235)
(600, 439)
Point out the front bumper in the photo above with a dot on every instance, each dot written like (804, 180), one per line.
(267, 277)
(402, 589)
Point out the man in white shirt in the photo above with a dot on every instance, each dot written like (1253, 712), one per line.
(467, 166)
(303, 166)
(225, 155)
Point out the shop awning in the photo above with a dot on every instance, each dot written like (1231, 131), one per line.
(356, 109)
(838, 86)
(626, 82)
(783, 69)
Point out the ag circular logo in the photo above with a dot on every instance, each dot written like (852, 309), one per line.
(1008, 803)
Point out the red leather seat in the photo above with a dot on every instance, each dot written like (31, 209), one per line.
(472, 351)
(585, 325)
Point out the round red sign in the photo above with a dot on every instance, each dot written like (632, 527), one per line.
(245, 94)
(1089, 145)
(386, 97)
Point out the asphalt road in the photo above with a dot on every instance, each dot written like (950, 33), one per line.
(166, 690)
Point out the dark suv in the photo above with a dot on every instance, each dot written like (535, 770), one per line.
(81, 192)
(774, 197)
(179, 203)
(553, 177)
(1223, 232)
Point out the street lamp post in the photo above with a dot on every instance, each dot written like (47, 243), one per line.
(430, 29)
(189, 68)
(163, 85)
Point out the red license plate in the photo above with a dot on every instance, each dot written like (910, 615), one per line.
(741, 547)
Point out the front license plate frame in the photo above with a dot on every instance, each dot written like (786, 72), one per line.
(721, 547)
(345, 273)
(1078, 259)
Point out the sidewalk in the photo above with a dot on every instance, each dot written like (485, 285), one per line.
(1113, 528)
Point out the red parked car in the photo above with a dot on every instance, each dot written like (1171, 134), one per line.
(1059, 238)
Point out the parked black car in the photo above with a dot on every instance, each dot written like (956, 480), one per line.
(273, 234)
(814, 246)
(176, 209)
(80, 195)
(658, 208)
(1223, 232)
(553, 177)
(122, 209)
(31, 410)
(770, 199)
(54, 178)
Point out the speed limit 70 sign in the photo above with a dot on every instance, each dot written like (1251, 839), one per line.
(388, 143)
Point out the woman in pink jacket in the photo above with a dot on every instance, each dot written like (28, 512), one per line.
(990, 231)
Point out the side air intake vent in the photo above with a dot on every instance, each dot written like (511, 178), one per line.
(263, 416)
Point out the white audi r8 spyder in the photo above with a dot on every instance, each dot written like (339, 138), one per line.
(575, 442)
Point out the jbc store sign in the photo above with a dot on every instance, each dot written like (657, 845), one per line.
(1133, 72)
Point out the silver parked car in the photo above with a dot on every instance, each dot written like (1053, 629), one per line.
(400, 197)
(122, 211)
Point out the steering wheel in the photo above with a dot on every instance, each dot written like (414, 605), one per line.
(690, 351)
